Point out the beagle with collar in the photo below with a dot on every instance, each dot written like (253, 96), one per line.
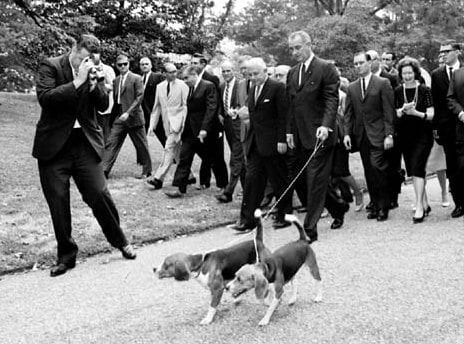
(214, 269)
(276, 270)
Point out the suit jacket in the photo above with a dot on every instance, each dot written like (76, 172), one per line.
(61, 105)
(374, 114)
(443, 120)
(237, 99)
(149, 92)
(314, 103)
(455, 100)
(131, 98)
(268, 115)
(172, 108)
(202, 111)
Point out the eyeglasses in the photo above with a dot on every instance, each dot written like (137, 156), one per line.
(122, 64)
(446, 51)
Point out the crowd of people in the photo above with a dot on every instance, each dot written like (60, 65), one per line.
(288, 129)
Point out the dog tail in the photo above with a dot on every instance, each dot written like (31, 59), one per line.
(259, 237)
(293, 219)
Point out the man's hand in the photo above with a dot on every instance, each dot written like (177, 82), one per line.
(388, 142)
(347, 142)
(461, 116)
(290, 141)
(93, 84)
(281, 147)
(202, 135)
(124, 116)
(83, 71)
(322, 133)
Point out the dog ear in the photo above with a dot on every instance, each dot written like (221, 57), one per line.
(181, 271)
(195, 261)
(261, 285)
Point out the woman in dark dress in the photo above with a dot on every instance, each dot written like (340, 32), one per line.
(414, 109)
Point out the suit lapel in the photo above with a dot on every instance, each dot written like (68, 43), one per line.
(263, 91)
(233, 98)
(124, 86)
(370, 86)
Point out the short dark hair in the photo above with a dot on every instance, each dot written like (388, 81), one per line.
(122, 55)
(391, 53)
(202, 58)
(409, 62)
(455, 45)
(89, 42)
(193, 70)
(366, 55)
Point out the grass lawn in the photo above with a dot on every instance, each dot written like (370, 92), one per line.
(26, 232)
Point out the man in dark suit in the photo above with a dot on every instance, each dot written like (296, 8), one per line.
(446, 121)
(128, 114)
(312, 88)
(200, 130)
(217, 156)
(232, 102)
(369, 122)
(150, 80)
(69, 143)
(266, 147)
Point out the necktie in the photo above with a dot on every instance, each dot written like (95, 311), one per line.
(226, 98)
(302, 71)
(144, 79)
(363, 85)
(120, 89)
(257, 92)
(169, 88)
(450, 74)
(190, 92)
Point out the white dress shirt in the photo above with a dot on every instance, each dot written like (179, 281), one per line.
(229, 86)
(305, 65)
(75, 75)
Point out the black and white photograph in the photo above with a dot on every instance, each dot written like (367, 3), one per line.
(232, 171)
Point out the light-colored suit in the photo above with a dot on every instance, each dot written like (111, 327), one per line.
(173, 112)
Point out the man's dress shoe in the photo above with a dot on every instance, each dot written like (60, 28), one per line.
(372, 215)
(223, 198)
(278, 224)
(370, 206)
(457, 212)
(192, 180)
(383, 215)
(242, 227)
(336, 224)
(61, 268)
(128, 252)
(158, 184)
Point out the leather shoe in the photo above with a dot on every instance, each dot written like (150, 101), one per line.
(128, 252)
(242, 227)
(427, 210)
(336, 224)
(224, 198)
(192, 180)
(278, 224)
(61, 268)
(457, 212)
(158, 184)
(393, 205)
(174, 194)
(202, 187)
(383, 215)
(372, 215)
(370, 206)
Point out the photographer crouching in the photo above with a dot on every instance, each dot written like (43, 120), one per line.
(69, 143)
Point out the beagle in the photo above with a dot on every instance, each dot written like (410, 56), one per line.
(214, 269)
(277, 269)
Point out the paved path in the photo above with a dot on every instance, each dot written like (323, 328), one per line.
(391, 282)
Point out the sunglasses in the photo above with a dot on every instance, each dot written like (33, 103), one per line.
(446, 51)
(122, 64)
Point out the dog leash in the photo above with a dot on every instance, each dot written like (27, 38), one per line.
(318, 145)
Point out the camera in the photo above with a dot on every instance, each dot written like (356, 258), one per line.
(96, 73)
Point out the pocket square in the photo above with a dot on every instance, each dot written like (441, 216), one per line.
(266, 101)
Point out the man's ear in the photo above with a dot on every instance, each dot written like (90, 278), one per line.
(181, 271)
(195, 261)
(261, 285)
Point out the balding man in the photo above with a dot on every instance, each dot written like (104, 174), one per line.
(171, 106)
(266, 146)
(232, 101)
(281, 72)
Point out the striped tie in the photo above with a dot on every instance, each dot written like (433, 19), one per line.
(226, 100)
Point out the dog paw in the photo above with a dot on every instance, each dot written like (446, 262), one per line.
(263, 322)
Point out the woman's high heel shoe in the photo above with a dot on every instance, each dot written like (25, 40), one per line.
(427, 211)
(418, 219)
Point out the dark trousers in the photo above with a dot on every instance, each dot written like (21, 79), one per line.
(314, 184)
(237, 158)
(275, 168)
(396, 178)
(118, 134)
(159, 133)
(104, 121)
(191, 146)
(377, 172)
(215, 162)
(77, 159)
(454, 154)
